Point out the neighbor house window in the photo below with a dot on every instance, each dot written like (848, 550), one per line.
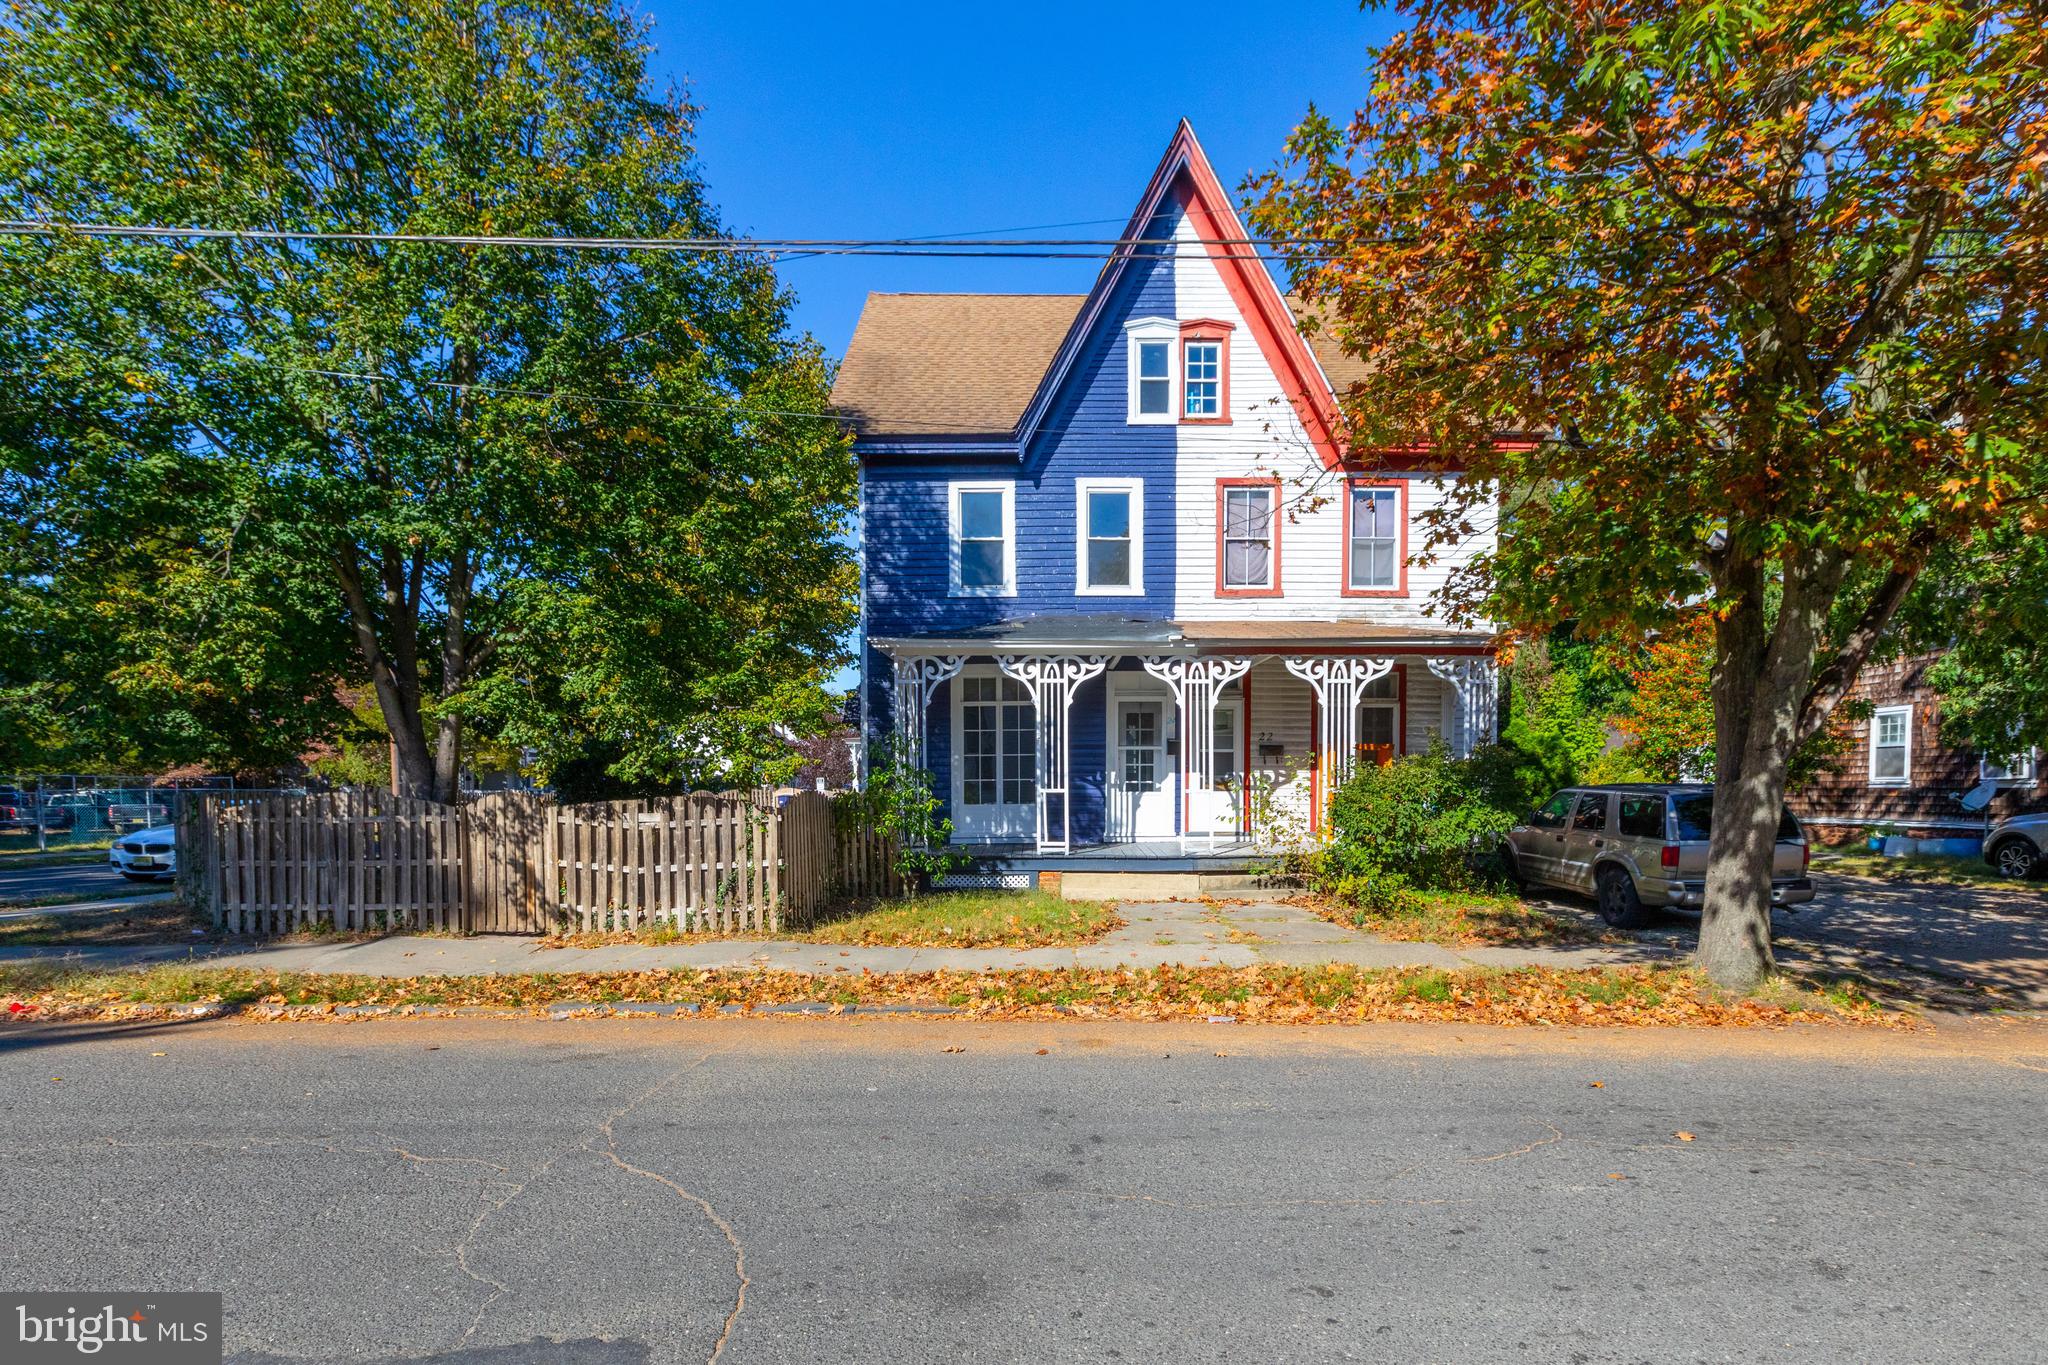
(1376, 540)
(2018, 773)
(984, 539)
(1109, 516)
(1891, 746)
(1205, 371)
(1248, 552)
(1149, 358)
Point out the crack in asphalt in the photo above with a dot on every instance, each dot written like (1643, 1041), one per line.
(739, 1250)
(606, 1130)
(1556, 1135)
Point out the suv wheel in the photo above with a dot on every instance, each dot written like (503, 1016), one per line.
(2016, 857)
(1620, 906)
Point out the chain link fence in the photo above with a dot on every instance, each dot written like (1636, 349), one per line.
(87, 811)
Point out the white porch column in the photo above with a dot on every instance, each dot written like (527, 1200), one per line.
(917, 676)
(1339, 682)
(1052, 680)
(1196, 684)
(1476, 718)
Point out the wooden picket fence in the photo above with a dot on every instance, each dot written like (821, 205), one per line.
(514, 862)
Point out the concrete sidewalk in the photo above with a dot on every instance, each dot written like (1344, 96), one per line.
(1155, 934)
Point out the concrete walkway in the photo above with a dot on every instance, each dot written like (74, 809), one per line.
(1162, 933)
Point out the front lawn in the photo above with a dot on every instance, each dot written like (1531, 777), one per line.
(1464, 919)
(943, 919)
(971, 919)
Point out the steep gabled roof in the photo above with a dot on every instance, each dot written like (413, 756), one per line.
(928, 368)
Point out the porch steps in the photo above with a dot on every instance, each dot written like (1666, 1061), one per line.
(1143, 886)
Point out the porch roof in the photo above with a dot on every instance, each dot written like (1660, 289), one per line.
(1110, 633)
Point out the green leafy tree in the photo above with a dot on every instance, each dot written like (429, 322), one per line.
(1984, 604)
(566, 497)
(1762, 287)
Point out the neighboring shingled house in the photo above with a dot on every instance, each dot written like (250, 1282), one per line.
(1900, 775)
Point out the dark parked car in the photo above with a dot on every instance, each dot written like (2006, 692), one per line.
(18, 812)
(1638, 845)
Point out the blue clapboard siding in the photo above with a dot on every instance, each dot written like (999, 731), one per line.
(1085, 434)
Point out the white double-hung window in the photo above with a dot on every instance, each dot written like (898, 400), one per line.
(1109, 523)
(1374, 552)
(1891, 746)
(982, 554)
(1148, 357)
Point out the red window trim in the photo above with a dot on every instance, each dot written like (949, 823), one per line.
(1218, 331)
(1274, 589)
(1400, 588)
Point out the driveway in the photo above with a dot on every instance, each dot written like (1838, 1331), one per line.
(1989, 938)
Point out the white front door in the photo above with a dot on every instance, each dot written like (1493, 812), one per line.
(995, 760)
(1141, 787)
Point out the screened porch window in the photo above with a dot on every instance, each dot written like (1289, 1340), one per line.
(998, 743)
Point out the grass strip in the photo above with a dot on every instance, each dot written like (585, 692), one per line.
(1623, 996)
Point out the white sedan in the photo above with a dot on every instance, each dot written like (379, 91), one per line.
(146, 855)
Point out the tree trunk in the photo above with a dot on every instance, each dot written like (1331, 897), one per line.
(1761, 680)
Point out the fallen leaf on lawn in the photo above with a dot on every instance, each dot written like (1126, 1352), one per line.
(1682, 1135)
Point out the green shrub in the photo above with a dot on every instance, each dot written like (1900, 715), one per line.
(1426, 822)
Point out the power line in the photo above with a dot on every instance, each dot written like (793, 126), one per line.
(1028, 248)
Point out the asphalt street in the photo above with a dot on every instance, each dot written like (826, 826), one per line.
(476, 1192)
(64, 879)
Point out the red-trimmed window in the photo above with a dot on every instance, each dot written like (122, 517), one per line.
(1375, 538)
(1205, 371)
(1248, 537)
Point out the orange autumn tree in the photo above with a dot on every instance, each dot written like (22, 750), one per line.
(1669, 716)
(1765, 283)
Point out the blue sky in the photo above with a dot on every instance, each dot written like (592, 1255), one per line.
(876, 120)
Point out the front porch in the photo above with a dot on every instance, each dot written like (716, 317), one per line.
(1112, 745)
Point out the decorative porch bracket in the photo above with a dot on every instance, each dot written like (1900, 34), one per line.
(1339, 682)
(1052, 680)
(917, 676)
(1477, 685)
(1197, 683)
